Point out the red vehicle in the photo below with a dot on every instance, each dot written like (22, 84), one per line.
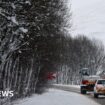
(87, 81)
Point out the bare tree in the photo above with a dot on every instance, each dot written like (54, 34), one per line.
(30, 38)
(80, 52)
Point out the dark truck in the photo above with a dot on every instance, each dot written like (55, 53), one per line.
(87, 81)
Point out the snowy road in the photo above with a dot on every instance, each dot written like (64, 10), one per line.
(76, 89)
(57, 97)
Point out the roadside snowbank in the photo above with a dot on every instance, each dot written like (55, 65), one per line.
(71, 88)
(75, 86)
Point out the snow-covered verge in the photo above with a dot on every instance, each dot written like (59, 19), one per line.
(71, 88)
(57, 97)
(74, 86)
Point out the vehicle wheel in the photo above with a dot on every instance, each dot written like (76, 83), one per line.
(83, 91)
(95, 95)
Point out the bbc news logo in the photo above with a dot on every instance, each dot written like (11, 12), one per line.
(6, 93)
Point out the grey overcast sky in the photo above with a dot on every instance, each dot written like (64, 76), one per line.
(89, 18)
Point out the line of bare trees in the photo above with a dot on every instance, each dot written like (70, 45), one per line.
(79, 52)
(30, 39)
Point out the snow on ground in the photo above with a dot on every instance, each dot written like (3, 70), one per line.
(89, 18)
(57, 97)
(73, 86)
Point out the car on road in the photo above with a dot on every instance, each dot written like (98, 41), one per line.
(87, 80)
(88, 83)
(99, 88)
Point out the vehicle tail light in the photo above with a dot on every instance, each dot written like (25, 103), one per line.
(84, 82)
